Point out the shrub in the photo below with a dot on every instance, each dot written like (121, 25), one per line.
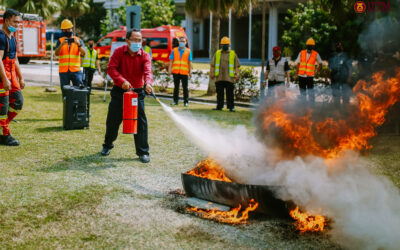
(246, 87)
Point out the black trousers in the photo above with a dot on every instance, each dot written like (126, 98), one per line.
(184, 79)
(341, 91)
(272, 85)
(114, 120)
(88, 77)
(221, 87)
(306, 85)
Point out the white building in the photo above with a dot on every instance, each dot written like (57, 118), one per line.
(245, 41)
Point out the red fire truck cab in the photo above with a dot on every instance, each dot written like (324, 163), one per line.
(31, 37)
(161, 40)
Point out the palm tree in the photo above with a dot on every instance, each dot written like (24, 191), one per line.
(44, 8)
(219, 9)
(74, 8)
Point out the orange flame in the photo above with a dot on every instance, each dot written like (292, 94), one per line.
(303, 134)
(209, 169)
(308, 223)
(231, 217)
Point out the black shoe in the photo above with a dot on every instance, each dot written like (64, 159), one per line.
(217, 109)
(106, 151)
(186, 104)
(144, 158)
(174, 104)
(8, 140)
(232, 110)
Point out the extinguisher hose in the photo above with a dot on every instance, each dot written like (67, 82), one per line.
(152, 94)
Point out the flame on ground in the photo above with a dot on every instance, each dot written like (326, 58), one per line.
(308, 223)
(303, 134)
(229, 217)
(209, 169)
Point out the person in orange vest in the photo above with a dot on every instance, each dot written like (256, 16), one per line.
(69, 50)
(11, 100)
(306, 61)
(225, 70)
(180, 64)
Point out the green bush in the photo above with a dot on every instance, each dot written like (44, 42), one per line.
(246, 87)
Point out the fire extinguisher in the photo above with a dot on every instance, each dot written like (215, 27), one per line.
(130, 112)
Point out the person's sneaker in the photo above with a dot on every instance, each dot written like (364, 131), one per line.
(186, 104)
(8, 140)
(105, 151)
(174, 104)
(232, 110)
(144, 158)
(217, 109)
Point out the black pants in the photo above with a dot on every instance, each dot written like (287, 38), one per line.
(114, 120)
(306, 85)
(88, 77)
(272, 85)
(341, 91)
(184, 79)
(221, 86)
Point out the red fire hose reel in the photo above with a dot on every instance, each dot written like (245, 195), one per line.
(130, 112)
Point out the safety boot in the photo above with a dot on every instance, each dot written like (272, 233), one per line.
(8, 140)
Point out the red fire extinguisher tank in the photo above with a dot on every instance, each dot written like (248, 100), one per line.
(130, 112)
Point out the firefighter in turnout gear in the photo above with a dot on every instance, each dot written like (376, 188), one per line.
(277, 71)
(306, 70)
(180, 64)
(225, 70)
(69, 50)
(90, 63)
(12, 83)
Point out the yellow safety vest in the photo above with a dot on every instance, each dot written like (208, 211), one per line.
(89, 61)
(232, 56)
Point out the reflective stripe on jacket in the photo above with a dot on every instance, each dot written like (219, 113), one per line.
(181, 65)
(89, 61)
(232, 56)
(307, 67)
(69, 58)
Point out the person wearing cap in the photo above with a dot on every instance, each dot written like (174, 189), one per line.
(276, 72)
(306, 61)
(225, 70)
(147, 48)
(69, 50)
(340, 66)
(180, 64)
(90, 63)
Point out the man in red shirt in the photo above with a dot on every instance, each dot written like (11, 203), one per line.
(129, 67)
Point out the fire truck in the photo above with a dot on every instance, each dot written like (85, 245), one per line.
(161, 40)
(31, 37)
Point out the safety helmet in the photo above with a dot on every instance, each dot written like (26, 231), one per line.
(225, 40)
(310, 41)
(66, 24)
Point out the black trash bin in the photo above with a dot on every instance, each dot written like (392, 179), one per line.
(76, 107)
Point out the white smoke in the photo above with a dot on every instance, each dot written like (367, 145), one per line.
(364, 208)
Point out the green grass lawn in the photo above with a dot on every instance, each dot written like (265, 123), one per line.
(56, 191)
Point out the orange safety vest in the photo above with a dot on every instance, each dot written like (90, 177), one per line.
(181, 65)
(307, 67)
(69, 58)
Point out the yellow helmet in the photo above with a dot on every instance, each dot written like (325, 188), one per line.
(66, 24)
(225, 40)
(310, 41)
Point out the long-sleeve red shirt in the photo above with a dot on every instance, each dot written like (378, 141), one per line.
(134, 69)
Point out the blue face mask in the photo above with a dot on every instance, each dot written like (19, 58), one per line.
(12, 29)
(135, 47)
(182, 44)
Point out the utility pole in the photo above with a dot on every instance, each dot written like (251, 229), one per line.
(262, 50)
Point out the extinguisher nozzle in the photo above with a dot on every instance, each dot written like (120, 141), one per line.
(155, 97)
